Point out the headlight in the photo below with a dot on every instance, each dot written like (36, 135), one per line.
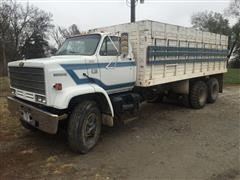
(41, 99)
(13, 91)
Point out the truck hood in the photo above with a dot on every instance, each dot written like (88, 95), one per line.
(41, 62)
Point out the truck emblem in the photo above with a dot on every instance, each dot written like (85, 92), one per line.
(21, 64)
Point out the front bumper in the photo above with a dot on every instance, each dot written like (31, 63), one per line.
(36, 117)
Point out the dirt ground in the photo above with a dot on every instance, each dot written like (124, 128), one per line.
(167, 142)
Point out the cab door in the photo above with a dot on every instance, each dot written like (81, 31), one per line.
(117, 73)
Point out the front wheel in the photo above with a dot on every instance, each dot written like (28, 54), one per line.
(84, 127)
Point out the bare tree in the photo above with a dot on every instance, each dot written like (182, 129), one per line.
(18, 23)
(73, 30)
(218, 23)
(5, 10)
(234, 9)
(26, 21)
(212, 22)
(59, 34)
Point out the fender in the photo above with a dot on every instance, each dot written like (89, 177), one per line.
(99, 89)
(64, 97)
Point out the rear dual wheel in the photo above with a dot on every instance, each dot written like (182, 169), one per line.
(213, 90)
(201, 93)
(198, 94)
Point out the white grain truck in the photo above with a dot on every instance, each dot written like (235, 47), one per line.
(96, 78)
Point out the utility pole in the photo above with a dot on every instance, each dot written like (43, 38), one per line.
(133, 10)
(133, 5)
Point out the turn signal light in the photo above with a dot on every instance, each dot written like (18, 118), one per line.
(41, 99)
(57, 86)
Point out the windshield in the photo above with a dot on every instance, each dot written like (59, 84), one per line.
(82, 45)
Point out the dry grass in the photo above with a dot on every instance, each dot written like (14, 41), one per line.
(4, 86)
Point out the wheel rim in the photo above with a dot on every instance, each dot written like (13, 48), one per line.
(91, 127)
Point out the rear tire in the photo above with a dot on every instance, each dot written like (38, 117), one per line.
(84, 127)
(213, 90)
(198, 94)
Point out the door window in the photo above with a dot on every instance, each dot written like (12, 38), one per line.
(110, 47)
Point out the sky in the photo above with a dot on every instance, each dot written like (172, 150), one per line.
(87, 14)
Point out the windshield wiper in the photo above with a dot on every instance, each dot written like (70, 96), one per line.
(73, 52)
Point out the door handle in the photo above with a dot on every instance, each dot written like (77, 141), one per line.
(112, 67)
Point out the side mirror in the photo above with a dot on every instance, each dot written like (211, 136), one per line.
(124, 44)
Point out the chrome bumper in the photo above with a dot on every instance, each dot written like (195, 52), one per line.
(38, 118)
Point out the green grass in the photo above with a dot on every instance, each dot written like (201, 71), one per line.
(232, 76)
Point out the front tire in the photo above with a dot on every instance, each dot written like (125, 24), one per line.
(84, 127)
(198, 94)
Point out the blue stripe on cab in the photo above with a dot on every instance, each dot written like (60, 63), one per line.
(97, 65)
(71, 67)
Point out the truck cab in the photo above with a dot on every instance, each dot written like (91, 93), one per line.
(92, 66)
(100, 61)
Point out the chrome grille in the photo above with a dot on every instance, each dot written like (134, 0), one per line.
(28, 79)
